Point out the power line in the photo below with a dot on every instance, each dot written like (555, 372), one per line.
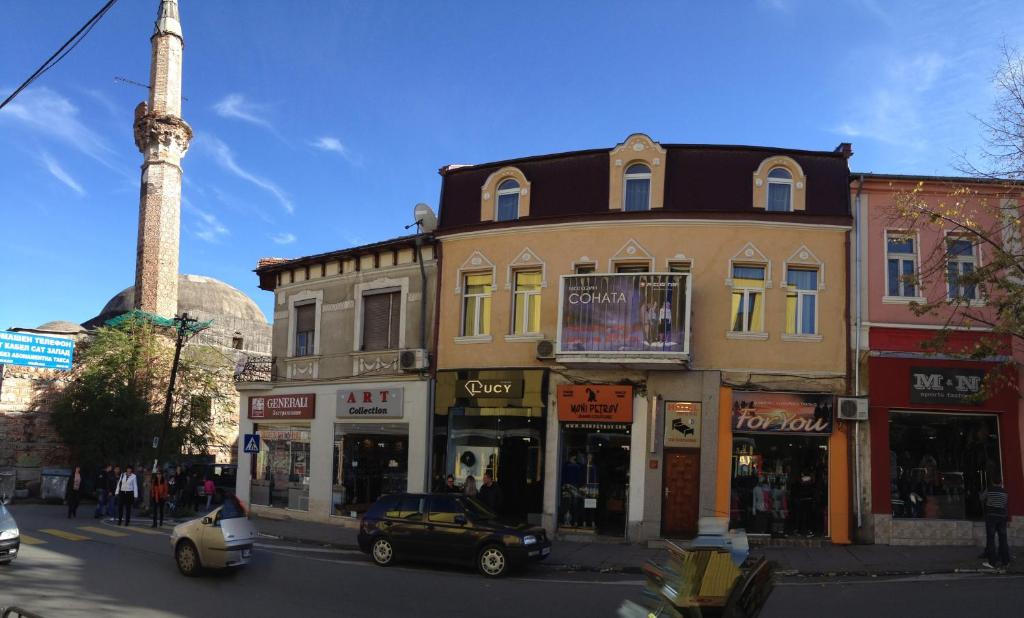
(64, 50)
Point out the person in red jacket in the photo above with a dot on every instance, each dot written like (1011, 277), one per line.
(158, 496)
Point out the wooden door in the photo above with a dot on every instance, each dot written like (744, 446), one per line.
(680, 502)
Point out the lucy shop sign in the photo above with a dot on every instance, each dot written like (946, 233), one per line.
(283, 407)
(802, 413)
(370, 403)
(489, 388)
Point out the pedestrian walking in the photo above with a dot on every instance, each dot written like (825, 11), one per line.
(208, 489)
(470, 487)
(103, 487)
(158, 493)
(73, 492)
(490, 494)
(112, 500)
(996, 501)
(127, 491)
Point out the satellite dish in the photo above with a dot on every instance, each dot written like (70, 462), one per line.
(425, 215)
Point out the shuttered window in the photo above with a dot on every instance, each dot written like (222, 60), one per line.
(381, 320)
(305, 329)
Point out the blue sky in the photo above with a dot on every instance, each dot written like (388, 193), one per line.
(320, 124)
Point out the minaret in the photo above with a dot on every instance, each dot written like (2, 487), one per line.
(163, 138)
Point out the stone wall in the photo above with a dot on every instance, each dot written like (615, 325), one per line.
(28, 440)
(898, 531)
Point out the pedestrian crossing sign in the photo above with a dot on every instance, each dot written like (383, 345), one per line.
(252, 443)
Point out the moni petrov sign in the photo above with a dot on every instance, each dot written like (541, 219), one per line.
(625, 313)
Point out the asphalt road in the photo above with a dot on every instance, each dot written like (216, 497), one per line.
(87, 567)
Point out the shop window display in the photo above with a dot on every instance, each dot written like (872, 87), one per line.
(780, 485)
(595, 477)
(281, 473)
(369, 462)
(941, 463)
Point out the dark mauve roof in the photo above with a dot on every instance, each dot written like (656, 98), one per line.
(699, 179)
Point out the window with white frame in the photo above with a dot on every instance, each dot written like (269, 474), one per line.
(748, 298)
(382, 316)
(780, 190)
(961, 260)
(526, 302)
(585, 268)
(901, 265)
(476, 304)
(637, 188)
(508, 200)
(679, 267)
(802, 301)
(305, 329)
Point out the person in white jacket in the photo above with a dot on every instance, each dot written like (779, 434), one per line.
(127, 491)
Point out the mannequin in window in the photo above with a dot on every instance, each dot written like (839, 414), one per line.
(762, 505)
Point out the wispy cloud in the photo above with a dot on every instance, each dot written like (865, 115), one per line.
(226, 158)
(207, 226)
(284, 238)
(59, 173)
(236, 106)
(112, 108)
(892, 111)
(333, 144)
(45, 112)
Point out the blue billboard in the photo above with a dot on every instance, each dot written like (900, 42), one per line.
(31, 350)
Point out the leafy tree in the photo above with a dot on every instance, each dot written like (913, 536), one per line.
(112, 407)
(984, 208)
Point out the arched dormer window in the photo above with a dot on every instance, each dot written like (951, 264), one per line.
(508, 200)
(637, 188)
(780, 190)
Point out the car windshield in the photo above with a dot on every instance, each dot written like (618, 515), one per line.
(477, 510)
(232, 508)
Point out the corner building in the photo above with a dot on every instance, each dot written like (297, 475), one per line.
(632, 338)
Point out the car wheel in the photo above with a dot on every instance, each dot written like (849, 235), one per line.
(492, 561)
(382, 552)
(187, 557)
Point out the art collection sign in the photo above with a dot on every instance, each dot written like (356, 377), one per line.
(370, 403)
(635, 312)
(607, 403)
(801, 413)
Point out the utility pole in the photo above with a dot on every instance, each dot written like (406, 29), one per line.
(183, 322)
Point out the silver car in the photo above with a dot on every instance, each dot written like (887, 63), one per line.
(221, 539)
(10, 537)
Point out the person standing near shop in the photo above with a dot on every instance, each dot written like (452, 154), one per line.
(112, 483)
(449, 485)
(158, 496)
(490, 494)
(470, 487)
(127, 491)
(73, 492)
(996, 501)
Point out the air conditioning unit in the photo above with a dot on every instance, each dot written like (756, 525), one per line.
(853, 409)
(413, 360)
(545, 349)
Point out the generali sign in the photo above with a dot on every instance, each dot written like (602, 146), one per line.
(276, 407)
(595, 402)
(370, 403)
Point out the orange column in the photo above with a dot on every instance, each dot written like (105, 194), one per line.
(723, 477)
(839, 485)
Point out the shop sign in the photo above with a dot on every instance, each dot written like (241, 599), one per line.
(804, 413)
(31, 350)
(624, 313)
(958, 385)
(595, 402)
(608, 427)
(288, 407)
(370, 403)
(489, 388)
(682, 424)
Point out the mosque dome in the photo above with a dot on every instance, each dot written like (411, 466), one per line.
(60, 326)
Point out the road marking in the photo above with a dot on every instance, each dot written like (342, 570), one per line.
(98, 530)
(145, 530)
(64, 534)
(31, 540)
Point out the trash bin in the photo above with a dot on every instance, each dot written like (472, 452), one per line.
(7, 481)
(54, 483)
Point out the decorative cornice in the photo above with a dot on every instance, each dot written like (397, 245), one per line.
(167, 134)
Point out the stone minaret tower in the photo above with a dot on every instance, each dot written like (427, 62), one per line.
(163, 138)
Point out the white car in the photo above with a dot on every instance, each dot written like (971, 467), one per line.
(10, 539)
(222, 539)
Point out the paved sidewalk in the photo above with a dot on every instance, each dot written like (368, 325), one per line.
(827, 561)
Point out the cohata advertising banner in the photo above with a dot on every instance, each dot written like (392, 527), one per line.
(628, 312)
